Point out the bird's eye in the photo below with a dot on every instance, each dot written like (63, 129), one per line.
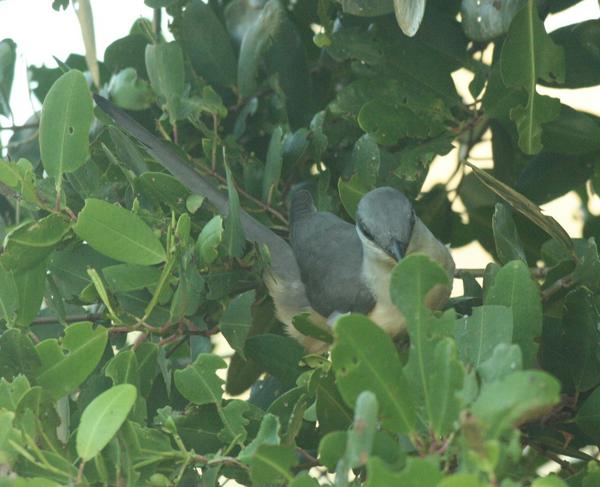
(366, 232)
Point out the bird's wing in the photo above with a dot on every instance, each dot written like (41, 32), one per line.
(329, 254)
(283, 263)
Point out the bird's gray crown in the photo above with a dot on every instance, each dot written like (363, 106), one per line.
(386, 217)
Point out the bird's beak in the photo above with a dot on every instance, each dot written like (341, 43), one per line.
(398, 250)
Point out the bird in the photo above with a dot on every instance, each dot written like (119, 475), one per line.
(330, 267)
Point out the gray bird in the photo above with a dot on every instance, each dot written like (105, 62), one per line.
(332, 267)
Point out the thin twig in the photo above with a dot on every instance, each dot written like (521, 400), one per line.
(48, 320)
(25, 126)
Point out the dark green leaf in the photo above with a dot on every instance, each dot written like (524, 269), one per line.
(273, 165)
(199, 383)
(9, 295)
(278, 355)
(529, 54)
(514, 287)
(367, 8)
(209, 239)
(271, 464)
(525, 207)
(17, 354)
(366, 160)
(504, 360)
(484, 20)
(130, 92)
(364, 358)
(237, 319)
(207, 44)
(8, 56)
(123, 369)
(30, 285)
(233, 235)
(418, 473)
(30, 244)
(130, 277)
(350, 194)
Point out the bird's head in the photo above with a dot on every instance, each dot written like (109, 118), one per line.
(384, 221)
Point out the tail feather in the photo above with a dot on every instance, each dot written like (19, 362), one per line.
(301, 206)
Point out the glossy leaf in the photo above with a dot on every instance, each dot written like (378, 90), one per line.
(271, 464)
(118, 233)
(366, 159)
(64, 125)
(102, 418)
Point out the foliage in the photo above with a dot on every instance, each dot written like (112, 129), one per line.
(116, 282)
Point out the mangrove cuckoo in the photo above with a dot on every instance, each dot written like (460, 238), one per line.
(331, 267)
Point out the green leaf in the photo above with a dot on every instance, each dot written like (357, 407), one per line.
(549, 481)
(521, 204)
(207, 44)
(268, 434)
(209, 239)
(332, 412)
(30, 286)
(130, 92)
(304, 325)
(102, 418)
(161, 188)
(130, 277)
(65, 124)
(504, 360)
(237, 319)
(9, 295)
(234, 422)
(366, 159)
(278, 355)
(60, 373)
(364, 358)
(588, 415)
(123, 369)
(463, 480)
(367, 8)
(17, 354)
(118, 233)
(304, 479)
(572, 132)
(273, 165)
(579, 335)
(508, 243)
(417, 473)
(580, 42)
(361, 436)
(30, 244)
(233, 235)
(273, 41)
(412, 280)
(478, 335)
(483, 20)
(519, 397)
(199, 383)
(164, 63)
(8, 56)
(350, 194)
(513, 287)
(271, 464)
(529, 54)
